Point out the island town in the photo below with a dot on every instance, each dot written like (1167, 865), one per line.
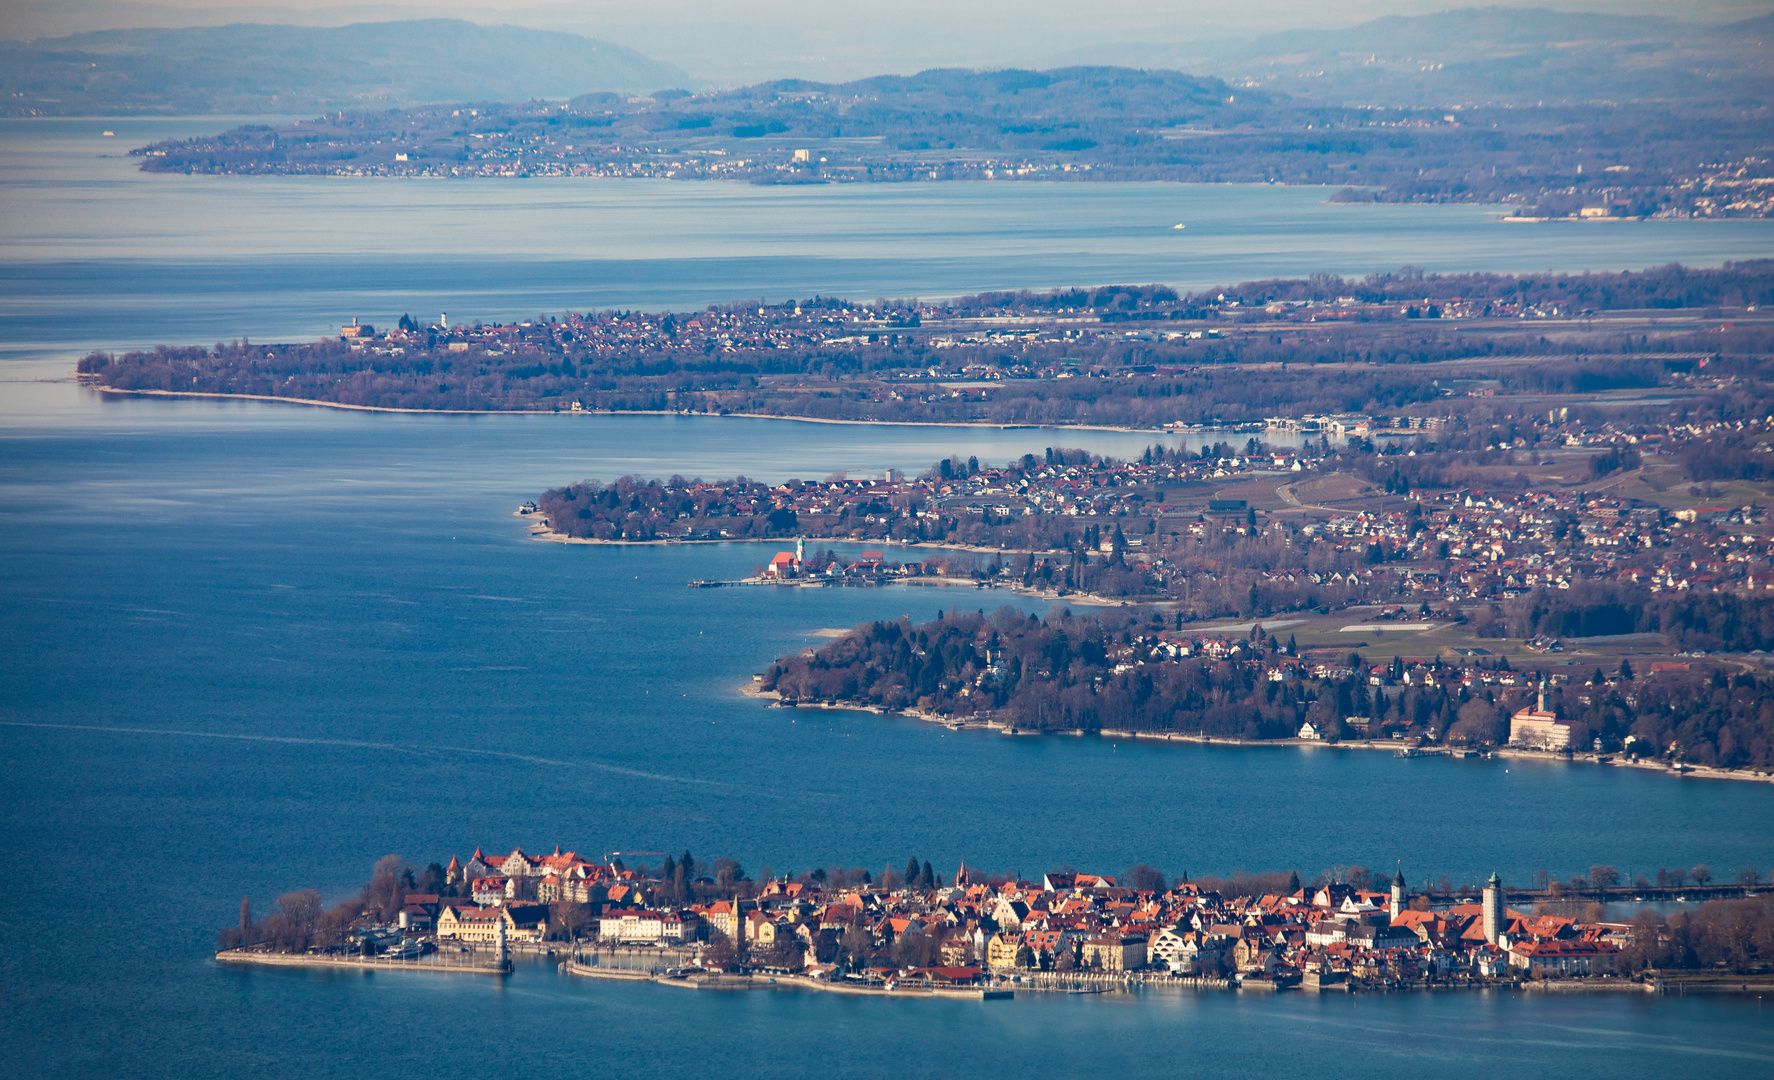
(917, 931)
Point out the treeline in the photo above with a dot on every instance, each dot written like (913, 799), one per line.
(1728, 456)
(300, 921)
(1705, 718)
(1734, 284)
(634, 509)
(1689, 621)
(1302, 370)
(1089, 673)
(1056, 674)
(1733, 935)
(1101, 298)
(1739, 284)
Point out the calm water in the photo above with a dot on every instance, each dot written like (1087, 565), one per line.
(248, 648)
(89, 245)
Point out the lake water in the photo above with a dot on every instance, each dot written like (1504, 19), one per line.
(94, 253)
(247, 648)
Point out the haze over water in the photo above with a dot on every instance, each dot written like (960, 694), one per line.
(93, 253)
(248, 648)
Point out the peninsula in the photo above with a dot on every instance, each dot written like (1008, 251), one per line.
(1127, 356)
(1421, 568)
(912, 931)
(1702, 156)
(1124, 673)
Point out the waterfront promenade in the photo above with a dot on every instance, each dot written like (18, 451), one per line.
(468, 964)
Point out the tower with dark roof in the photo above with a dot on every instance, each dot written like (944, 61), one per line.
(1493, 909)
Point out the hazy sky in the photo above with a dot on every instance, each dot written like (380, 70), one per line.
(739, 42)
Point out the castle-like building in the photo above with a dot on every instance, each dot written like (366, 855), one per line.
(1541, 729)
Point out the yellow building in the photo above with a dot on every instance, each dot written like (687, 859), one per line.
(1115, 952)
(723, 917)
(523, 922)
(1001, 951)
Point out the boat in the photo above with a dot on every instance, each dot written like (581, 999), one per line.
(1176, 226)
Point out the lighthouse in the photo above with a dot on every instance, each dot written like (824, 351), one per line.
(1493, 908)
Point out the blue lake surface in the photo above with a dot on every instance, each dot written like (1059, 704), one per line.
(247, 648)
(89, 245)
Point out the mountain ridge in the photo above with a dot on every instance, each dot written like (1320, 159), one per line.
(256, 67)
(1480, 55)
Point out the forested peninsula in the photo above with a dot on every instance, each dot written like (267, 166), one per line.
(1130, 670)
(1639, 159)
(1414, 607)
(1133, 356)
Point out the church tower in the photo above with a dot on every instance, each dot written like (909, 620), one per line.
(1493, 908)
(1397, 895)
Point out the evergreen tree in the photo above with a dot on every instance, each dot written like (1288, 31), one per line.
(1293, 881)
(1625, 670)
(911, 871)
(927, 879)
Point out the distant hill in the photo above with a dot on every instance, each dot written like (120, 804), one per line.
(1485, 55)
(247, 68)
(1061, 95)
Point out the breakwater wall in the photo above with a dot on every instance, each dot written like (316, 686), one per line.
(470, 964)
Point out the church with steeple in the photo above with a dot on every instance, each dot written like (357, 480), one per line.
(1539, 728)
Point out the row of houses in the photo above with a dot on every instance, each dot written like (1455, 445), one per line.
(1088, 922)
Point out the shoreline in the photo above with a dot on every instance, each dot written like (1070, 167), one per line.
(724, 981)
(217, 395)
(1100, 983)
(1698, 772)
(540, 531)
(271, 959)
